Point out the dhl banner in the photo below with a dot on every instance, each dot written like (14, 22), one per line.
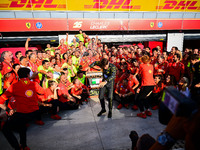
(29, 25)
(102, 5)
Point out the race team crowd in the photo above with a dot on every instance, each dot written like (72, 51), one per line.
(58, 75)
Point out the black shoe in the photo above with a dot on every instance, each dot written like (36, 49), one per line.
(109, 114)
(101, 112)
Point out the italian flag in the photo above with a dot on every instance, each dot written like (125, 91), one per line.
(96, 80)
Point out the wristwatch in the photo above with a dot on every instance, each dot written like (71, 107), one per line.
(165, 139)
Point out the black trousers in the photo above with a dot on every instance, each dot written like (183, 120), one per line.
(18, 122)
(142, 99)
(154, 99)
(84, 96)
(123, 100)
(68, 105)
(109, 87)
(52, 110)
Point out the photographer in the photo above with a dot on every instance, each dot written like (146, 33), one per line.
(184, 124)
(180, 128)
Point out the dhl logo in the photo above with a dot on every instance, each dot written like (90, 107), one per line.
(107, 5)
(128, 4)
(32, 4)
(190, 5)
(112, 4)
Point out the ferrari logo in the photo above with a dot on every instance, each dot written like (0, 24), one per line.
(28, 25)
(151, 24)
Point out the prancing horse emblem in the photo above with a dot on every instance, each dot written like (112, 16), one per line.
(151, 24)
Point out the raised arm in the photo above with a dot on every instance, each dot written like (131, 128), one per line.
(26, 44)
(67, 38)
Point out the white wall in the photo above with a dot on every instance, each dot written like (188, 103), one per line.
(175, 39)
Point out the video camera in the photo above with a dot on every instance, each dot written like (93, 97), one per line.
(175, 103)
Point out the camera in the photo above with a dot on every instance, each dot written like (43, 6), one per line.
(175, 103)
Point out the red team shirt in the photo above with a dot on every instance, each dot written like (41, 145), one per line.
(176, 69)
(163, 66)
(133, 69)
(132, 80)
(63, 48)
(78, 89)
(170, 58)
(7, 67)
(158, 89)
(48, 93)
(16, 61)
(85, 63)
(26, 95)
(63, 91)
(33, 66)
(146, 71)
(13, 78)
(124, 89)
(39, 62)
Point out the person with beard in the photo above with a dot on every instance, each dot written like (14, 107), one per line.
(172, 53)
(148, 50)
(176, 68)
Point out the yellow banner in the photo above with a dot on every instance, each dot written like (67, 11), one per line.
(102, 5)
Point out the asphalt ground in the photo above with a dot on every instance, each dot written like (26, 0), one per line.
(82, 129)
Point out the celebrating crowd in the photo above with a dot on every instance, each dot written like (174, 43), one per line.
(54, 79)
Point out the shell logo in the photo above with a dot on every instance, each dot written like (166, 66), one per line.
(150, 71)
(9, 68)
(29, 93)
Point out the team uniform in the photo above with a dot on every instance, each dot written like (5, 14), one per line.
(147, 85)
(65, 103)
(11, 79)
(163, 66)
(34, 67)
(123, 90)
(63, 48)
(16, 61)
(84, 63)
(80, 90)
(49, 100)
(6, 67)
(155, 96)
(176, 69)
(27, 109)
